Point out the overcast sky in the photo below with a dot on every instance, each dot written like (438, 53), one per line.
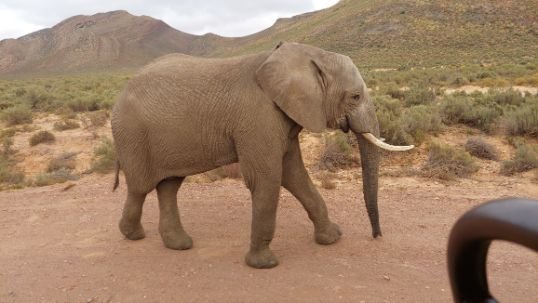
(226, 18)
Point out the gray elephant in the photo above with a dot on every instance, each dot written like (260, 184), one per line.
(182, 115)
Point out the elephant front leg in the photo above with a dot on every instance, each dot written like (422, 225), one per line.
(265, 191)
(295, 178)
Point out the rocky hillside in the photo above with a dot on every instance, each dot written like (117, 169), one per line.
(105, 41)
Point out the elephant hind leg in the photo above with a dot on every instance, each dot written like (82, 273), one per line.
(130, 225)
(170, 228)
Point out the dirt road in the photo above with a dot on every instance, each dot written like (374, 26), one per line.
(64, 246)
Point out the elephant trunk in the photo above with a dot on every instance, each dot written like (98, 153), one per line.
(363, 122)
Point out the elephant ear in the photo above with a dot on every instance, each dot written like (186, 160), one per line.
(293, 80)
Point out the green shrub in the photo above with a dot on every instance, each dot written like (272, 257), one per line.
(419, 96)
(523, 120)
(396, 93)
(98, 118)
(66, 124)
(418, 121)
(38, 98)
(463, 109)
(525, 159)
(104, 157)
(16, 115)
(42, 137)
(447, 163)
(509, 97)
(337, 152)
(478, 147)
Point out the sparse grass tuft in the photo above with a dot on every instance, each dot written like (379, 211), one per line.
(104, 157)
(478, 147)
(327, 180)
(525, 159)
(8, 174)
(65, 161)
(66, 124)
(16, 115)
(42, 137)
(337, 152)
(447, 163)
(58, 176)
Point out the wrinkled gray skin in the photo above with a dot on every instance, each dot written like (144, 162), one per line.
(182, 115)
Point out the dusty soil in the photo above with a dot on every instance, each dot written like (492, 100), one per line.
(64, 246)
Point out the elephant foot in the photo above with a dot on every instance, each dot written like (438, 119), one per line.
(132, 231)
(328, 235)
(261, 259)
(176, 240)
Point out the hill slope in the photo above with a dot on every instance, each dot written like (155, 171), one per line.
(382, 33)
(394, 33)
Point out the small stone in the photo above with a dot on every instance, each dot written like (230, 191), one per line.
(386, 278)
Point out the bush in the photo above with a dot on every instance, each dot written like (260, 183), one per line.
(104, 157)
(509, 97)
(419, 96)
(57, 176)
(327, 181)
(42, 137)
(523, 120)
(66, 125)
(8, 174)
(97, 119)
(463, 109)
(477, 147)
(406, 126)
(525, 159)
(447, 163)
(65, 161)
(232, 171)
(418, 121)
(337, 152)
(16, 115)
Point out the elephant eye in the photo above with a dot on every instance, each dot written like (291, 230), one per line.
(356, 97)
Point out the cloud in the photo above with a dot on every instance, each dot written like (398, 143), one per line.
(227, 18)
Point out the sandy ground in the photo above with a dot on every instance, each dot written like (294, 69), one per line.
(64, 246)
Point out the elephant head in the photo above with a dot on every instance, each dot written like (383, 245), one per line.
(319, 89)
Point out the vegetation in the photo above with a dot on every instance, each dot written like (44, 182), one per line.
(447, 163)
(66, 124)
(478, 147)
(16, 115)
(104, 157)
(524, 119)
(337, 152)
(58, 176)
(525, 159)
(42, 137)
(65, 161)
(327, 180)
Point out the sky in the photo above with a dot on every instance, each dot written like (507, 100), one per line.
(231, 18)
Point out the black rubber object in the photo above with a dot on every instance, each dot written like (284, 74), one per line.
(514, 220)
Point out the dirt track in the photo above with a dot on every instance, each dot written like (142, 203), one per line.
(64, 246)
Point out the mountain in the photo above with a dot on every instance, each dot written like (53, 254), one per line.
(375, 33)
(105, 41)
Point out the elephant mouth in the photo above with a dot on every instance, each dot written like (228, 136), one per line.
(379, 142)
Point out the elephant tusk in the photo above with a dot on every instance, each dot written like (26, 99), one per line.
(379, 143)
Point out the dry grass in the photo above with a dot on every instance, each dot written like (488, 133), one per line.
(19, 114)
(327, 180)
(42, 137)
(104, 157)
(478, 147)
(66, 124)
(337, 152)
(65, 161)
(525, 159)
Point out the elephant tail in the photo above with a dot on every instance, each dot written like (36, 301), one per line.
(117, 179)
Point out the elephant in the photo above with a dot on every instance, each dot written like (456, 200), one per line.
(181, 115)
